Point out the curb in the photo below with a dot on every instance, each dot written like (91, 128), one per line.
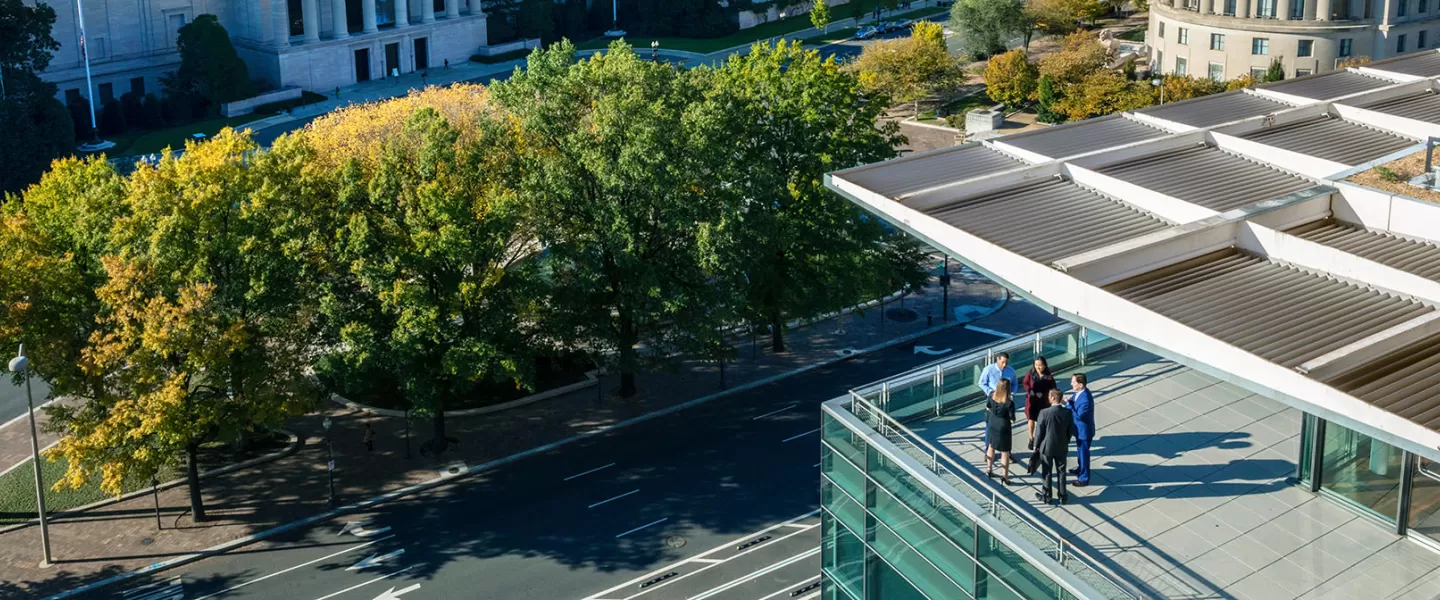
(290, 447)
(447, 479)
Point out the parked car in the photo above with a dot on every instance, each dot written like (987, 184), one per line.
(903, 24)
(866, 33)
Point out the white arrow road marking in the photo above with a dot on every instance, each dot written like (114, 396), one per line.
(305, 564)
(932, 351)
(374, 560)
(358, 528)
(360, 585)
(392, 593)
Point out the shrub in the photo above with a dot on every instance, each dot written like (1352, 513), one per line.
(1388, 175)
(130, 106)
(112, 120)
(80, 115)
(502, 57)
(151, 115)
(306, 97)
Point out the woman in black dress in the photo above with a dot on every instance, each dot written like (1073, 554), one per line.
(999, 424)
(1037, 383)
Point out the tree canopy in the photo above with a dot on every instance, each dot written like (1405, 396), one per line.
(209, 66)
(39, 128)
(1011, 78)
(986, 25)
(908, 69)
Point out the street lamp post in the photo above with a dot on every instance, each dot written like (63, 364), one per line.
(330, 464)
(1160, 83)
(654, 50)
(21, 364)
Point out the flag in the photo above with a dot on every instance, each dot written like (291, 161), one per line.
(82, 45)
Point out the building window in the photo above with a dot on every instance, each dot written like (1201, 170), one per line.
(1297, 11)
(1217, 41)
(1159, 61)
(1184, 36)
(1302, 72)
(1181, 66)
(1257, 73)
(1307, 48)
(137, 86)
(107, 93)
(1400, 44)
(1260, 46)
(1421, 6)
(1400, 8)
(1266, 9)
(1420, 39)
(175, 22)
(1162, 30)
(1217, 72)
(1345, 46)
(1229, 8)
(72, 96)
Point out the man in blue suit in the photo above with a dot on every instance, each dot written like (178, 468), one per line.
(1082, 404)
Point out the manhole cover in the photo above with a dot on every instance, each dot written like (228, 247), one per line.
(147, 541)
(675, 541)
(901, 315)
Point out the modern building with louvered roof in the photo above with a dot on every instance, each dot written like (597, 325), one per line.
(1260, 330)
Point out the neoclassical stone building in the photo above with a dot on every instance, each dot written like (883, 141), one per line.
(312, 44)
(1229, 38)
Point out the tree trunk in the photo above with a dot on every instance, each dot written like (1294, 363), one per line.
(438, 422)
(777, 334)
(629, 337)
(192, 477)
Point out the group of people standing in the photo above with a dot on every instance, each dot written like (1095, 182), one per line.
(1052, 422)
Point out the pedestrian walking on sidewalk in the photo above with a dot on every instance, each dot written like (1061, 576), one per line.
(1083, 405)
(999, 429)
(1038, 384)
(369, 438)
(1052, 444)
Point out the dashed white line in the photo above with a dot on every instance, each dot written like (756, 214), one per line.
(650, 524)
(613, 499)
(360, 585)
(774, 412)
(801, 525)
(796, 437)
(708, 561)
(792, 587)
(260, 579)
(589, 472)
(1000, 334)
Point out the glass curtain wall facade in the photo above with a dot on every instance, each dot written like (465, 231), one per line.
(887, 534)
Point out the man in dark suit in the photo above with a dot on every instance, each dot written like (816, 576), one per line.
(1055, 428)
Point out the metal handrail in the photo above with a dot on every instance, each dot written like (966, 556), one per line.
(927, 369)
(996, 499)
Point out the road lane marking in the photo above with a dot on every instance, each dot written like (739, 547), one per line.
(796, 437)
(589, 472)
(360, 585)
(773, 412)
(305, 564)
(393, 594)
(173, 589)
(650, 524)
(999, 334)
(358, 528)
(792, 586)
(756, 548)
(815, 465)
(613, 499)
(751, 576)
(147, 586)
(811, 596)
(802, 526)
(708, 561)
(699, 557)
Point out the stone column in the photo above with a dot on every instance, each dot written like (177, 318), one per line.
(402, 13)
(1323, 10)
(340, 18)
(1282, 8)
(367, 14)
(280, 22)
(427, 11)
(452, 8)
(1242, 9)
(310, 13)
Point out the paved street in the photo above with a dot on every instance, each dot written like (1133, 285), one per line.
(596, 518)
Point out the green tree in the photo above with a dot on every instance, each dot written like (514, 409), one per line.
(1181, 87)
(202, 333)
(1102, 93)
(1079, 56)
(820, 15)
(784, 117)
(908, 69)
(1053, 17)
(434, 246)
(1239, 83)
(1010, 78)
(616, 184)
(209, 67)
(38, 128)
(1275, 72)
(986, 25)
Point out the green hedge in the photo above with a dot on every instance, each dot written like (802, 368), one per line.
(500, 58)
(306, 97)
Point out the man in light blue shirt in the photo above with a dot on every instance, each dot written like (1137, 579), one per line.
(990, 379)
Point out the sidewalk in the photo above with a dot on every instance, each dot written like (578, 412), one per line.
(121, 537)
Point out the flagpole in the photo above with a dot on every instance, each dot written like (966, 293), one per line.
(96, 144)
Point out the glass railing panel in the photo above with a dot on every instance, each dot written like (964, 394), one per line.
(1014, 570)
(1097, 344)
(911, 400)
(959, 383)
(1061, 350)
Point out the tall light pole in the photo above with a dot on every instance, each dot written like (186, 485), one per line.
(21, 364)
(330, 463)
(1160, 83)
(97, 143)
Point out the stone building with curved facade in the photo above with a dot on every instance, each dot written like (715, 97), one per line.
(1224, 39)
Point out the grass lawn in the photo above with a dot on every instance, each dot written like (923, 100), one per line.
(147, 142)
(708, 45)
(959, 106)
(1134, 35)
(17, 488)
